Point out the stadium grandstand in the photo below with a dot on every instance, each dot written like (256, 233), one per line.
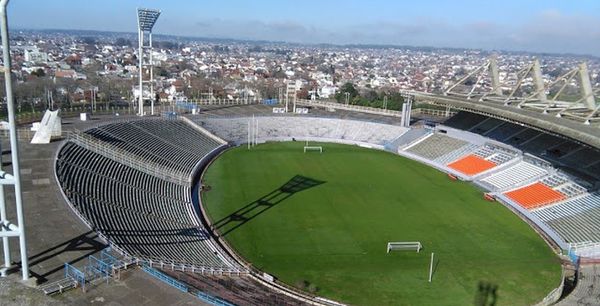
(166, 227)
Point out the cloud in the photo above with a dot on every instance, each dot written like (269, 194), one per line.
(547, 31)
(552, 31)
(202, 24)
(249, 29)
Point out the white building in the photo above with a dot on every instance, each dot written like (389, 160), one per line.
(327, 91)
(35, 56)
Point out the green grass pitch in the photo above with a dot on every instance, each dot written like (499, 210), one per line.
(324, 220)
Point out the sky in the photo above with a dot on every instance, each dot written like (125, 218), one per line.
(554, 26)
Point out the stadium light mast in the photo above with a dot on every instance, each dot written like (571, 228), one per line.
(146, 20)
(8, 229)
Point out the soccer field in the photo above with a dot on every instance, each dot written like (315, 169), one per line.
(321, 222)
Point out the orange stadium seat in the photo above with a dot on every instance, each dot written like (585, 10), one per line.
(471, 165)
(535, 195)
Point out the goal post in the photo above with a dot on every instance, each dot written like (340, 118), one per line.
(313, 148)
(308, 147)
(404, 246)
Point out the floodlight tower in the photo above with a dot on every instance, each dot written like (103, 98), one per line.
(7, 228)
(146, 20)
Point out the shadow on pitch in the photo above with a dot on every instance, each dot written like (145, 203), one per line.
(435, 266)
(487, 294)
(245, 214)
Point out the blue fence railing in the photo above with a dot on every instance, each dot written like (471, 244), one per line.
(107, 257)
(99, 268)
(574, 257)
(75, 274)
(212, 300)
(207, 298)
(169, 115)
(166, 279)
(186, 105)
(270, 101)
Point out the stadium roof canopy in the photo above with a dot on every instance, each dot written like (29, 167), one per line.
(587, 134)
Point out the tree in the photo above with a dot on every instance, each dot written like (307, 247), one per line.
(371, 95)
(279, 74)
(39, 73)
(123, 42)
(302, 94)
(88, 40)
(346, 88)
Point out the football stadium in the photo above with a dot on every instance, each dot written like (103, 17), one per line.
(474, 196)
(240, 205)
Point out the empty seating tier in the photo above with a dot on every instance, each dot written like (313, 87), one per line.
(456, 154)
(285, 128)
(576, 220)
(407, 138)
(515, 175)
(535, 195)
(563, 152)
(471, 165)
(465, 120)
(571, 207)
(579, 227)
(504, 131)
(141, 214)
(169, 143)
(436, 145)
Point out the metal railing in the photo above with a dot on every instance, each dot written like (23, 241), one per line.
(136, 162)
(59, 286)
(316, 103)
(29, 117)
(433, 112)
(183, 287)
(212, 299)
(349, 107)
(164, 263)
(166, 279)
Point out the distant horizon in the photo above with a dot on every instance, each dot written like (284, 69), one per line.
(339, 45)
(549, 26)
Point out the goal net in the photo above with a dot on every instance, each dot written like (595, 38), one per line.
(404, 246)
(313, 148)
(308, 147)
